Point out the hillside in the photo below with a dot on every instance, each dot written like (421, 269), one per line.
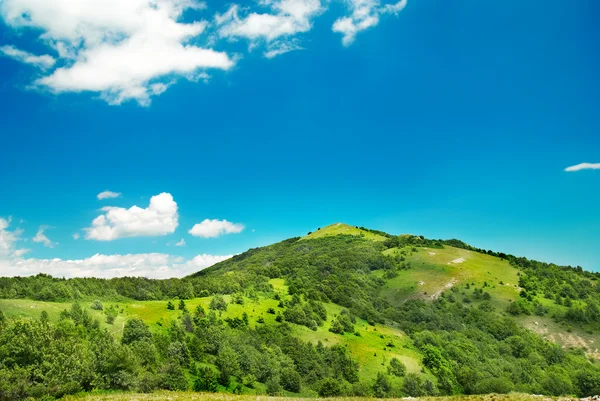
(341, 311)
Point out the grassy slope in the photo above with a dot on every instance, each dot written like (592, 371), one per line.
(370, 349)
(435, 270)
(343, 229)
(432, 271)
(188, 396)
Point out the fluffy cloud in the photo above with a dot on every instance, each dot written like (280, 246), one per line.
(136, 49)
(151, 265)
(285, 19)
(364, 15)
(583, 166)
(44, 61)
(108, 195)
(121, 49)
(180, 243)
(159, 218)
(42, 238)
(214, 228)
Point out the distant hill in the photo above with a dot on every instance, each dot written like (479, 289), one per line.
(342, 311)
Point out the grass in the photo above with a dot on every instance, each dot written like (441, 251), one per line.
(435, 270)
(189, 396)
(344, 229)
(370, 349)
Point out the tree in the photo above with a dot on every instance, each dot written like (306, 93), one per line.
(382, 386)
(396, 368)
(290, 380)
(170, 306)
(135, 330)
(206, 381)
(181, 305)
(413, 385)
(228, 364)
(44, 318)
(218, 303)
(97, 305)
(274, 387)
(111, 314)
(329, 387)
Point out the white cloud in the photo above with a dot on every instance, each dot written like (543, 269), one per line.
(285, 19)
(42, 238)
(214, 228)
(180, 243)
(279, 48)
(76, 236)
(583, 166)
(20, 252)
(159, 218)
(364, 15)
(108, 195)
(44, 61)
(151, 265)
(123, 50)
(8, 240)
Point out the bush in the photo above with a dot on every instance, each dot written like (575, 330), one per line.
(413, 385)
(330, 387)
(290, 380)
(206, 381)
(218, 303)
(396, 368)
(382, 386)
(97, 305)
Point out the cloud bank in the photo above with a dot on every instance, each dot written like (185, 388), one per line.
(151, 265)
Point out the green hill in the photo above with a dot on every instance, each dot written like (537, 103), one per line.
(342, 311)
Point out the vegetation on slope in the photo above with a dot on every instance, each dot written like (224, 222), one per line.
(350, 312)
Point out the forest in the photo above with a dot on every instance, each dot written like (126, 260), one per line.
(467, 340)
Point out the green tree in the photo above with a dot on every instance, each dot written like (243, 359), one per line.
(228, 364)
(382, 386)
(329, 387)
(413, 385)
(206, 381)
(218, 303)
(97, 305)
(396, 368)
(135, 330)
(290, 380)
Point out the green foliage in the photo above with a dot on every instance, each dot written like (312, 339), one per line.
(463, 338)
(396, 368)
(330, 387)
(413, 385)
(218, 303)
(382, 387)
(206, 381)
(290, 380)
(135, 330)
(97, 305)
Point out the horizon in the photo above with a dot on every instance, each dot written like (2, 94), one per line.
(160, 139)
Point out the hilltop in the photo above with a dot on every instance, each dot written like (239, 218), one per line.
(342, 311)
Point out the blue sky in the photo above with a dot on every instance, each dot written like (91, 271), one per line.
(447, 119)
